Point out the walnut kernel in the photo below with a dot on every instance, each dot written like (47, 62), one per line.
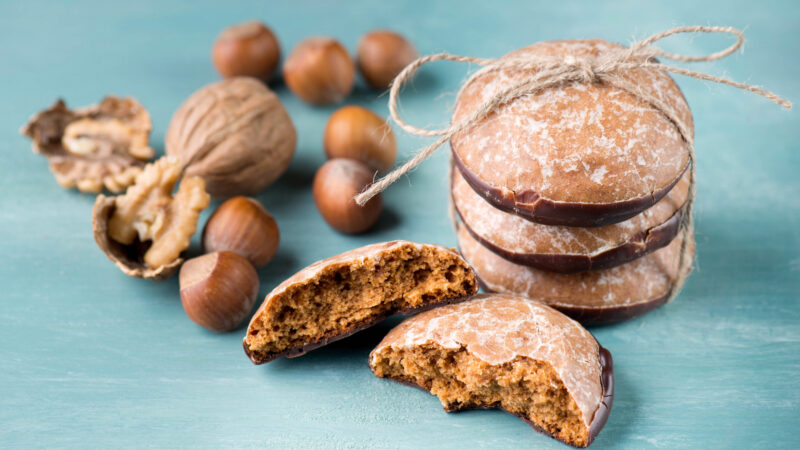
(149, 213)
(103, 145)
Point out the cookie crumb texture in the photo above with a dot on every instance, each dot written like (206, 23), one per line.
(334, 298)
(524, 387)
(506, 352)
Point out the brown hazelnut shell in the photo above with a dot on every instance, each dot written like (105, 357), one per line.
(242, 225)
(127, 258)
(356, 132)
(218, 290)
(319, 71)
(383, 54)
(335, 185)
(247, 49)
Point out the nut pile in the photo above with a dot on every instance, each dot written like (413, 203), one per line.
(218, 289)
(319, 71)
(229, 139)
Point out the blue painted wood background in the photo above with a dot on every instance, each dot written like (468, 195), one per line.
(92, 358)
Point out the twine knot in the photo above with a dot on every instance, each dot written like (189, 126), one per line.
(584, 68)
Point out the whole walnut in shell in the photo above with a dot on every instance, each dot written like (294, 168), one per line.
(235, 134)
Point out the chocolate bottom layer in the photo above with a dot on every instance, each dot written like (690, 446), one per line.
(600, 415)
(637, 246)
(530, 205)
(598, 316)
(592, 297)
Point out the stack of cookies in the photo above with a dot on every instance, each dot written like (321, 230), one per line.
(574, 195)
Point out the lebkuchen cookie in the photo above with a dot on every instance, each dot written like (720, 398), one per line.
(576, 154)
(507, 352)
(569, 249)
(591, 297)
(336, 297)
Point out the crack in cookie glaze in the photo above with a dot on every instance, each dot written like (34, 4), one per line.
(592, 297)
(578, 154)
(568, 249)
(507, 352)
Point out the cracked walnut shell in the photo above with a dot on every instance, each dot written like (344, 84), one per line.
(235, 134)
(103, 145)
(145, 230)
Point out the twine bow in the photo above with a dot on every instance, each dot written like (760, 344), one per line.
(546, 72)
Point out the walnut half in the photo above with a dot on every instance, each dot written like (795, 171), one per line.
(103, 145)
(145, 230)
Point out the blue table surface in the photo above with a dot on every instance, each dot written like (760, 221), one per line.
(92, 358)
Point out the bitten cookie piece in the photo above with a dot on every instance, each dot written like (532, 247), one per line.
(338, 296)
(569, 249)
(591, 297)
(507, 352)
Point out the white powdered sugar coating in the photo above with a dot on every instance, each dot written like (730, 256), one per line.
(643, 280)
(516, 234)
(575, 143)
(498, 328)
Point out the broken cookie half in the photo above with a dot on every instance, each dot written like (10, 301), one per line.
(145, 230)
(99, 146)
(507, 352)
(338, 296)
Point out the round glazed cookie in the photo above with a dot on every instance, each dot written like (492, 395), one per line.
(591, 297)
(578, 154)
(507, 352)
(569, 249)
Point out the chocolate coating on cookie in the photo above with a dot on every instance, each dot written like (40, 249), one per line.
(592, 297)
(568, 249)
(576, 154)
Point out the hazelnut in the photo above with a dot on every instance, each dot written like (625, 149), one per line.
(241, 225)
(358, 133)
(247, 49)
(335, 184)
(382, 55)
(319, 71)
(218, 290)
(235, 134)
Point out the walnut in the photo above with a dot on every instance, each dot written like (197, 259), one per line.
(145, 230)
(103, 145)
(235, 134)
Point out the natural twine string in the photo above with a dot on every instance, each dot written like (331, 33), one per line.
(549, 72)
